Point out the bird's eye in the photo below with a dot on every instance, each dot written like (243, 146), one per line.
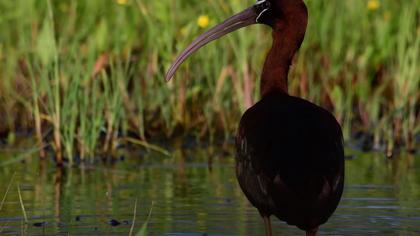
(263, 5)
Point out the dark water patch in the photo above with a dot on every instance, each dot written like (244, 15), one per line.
(39, 224)
(113, 222)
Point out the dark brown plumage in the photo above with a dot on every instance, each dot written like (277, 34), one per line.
(290, 158)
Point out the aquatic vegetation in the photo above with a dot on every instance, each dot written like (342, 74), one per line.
(25, 216)
(84, 75)
(134, 219)
(143, 229)
(7, 191)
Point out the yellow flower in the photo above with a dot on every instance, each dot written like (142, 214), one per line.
(373, 5)
(203, 21)
(122, 2)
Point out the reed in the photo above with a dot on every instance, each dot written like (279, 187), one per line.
(143, 229)
(7, 191)
(92, 71)
(25, 216)
(134, 219)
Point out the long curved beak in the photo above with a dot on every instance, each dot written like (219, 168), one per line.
(247, 17)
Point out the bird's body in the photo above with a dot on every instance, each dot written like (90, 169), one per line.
(290, 158)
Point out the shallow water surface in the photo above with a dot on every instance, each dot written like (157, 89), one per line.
(194, 193)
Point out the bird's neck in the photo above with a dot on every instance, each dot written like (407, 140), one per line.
(287, 38)
(277, 64)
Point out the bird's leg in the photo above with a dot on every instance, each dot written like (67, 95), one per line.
(312, 232)
(267, 224)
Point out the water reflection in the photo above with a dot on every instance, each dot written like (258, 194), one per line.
(195, 195)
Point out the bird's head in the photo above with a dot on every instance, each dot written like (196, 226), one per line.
(279, 12)
(274, 13)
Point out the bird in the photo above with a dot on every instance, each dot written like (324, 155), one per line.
(289, 151)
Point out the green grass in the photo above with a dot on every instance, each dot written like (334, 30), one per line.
(93, 71)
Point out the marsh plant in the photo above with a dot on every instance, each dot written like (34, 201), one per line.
(87, 76)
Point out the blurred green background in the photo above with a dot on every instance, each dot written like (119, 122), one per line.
(86, 76)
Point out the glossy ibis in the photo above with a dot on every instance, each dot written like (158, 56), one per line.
(290, 158)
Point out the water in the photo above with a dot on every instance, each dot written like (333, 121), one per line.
(192, 197)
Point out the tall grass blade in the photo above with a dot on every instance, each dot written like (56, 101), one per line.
(148, 146)
(134, 219)
(25, 217)
(7, 191)
(143, 229)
